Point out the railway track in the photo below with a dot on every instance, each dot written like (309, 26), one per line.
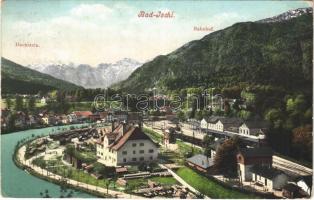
(291, 167)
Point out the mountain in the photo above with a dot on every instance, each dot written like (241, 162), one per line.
(288, 15)
(278, 53)
(90, 77)
(18, 79)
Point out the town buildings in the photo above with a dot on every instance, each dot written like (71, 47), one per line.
(126, 144)
(236, 126)
(169, 136)
(247, 158)
(270, 178)
(254, 128)
(200, 162)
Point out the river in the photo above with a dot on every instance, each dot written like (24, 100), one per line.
(18, 183)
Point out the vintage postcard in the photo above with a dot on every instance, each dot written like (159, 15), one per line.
(156, 99)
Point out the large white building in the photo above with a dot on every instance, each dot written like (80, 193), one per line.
(220, 124)
(126, 145)
(268, 177)
(254, 128)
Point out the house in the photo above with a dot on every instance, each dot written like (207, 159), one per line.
(200, 162)
(72, 118)
(64, 119)
(49, 120)
(194, 124)
(126, 144)
(43, 101)
(82, 115)
(45, 119)
(31, 120)
(3, 123)
(213, 123)
(269, 178)
(225, 124)
(204, 124)
(253, 127)
(169, 136)
(5, 113)
(121, 170)
(75, 162)
(20, 120)
(247, 158)
(305, 183)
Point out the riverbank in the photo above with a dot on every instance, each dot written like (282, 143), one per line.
(17, 183)
(54, 178)
(6, 132)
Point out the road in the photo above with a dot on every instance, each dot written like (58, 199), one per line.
(185, 128)
(28, 163)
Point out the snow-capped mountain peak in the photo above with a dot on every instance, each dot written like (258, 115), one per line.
(101, 76)
(288, 15)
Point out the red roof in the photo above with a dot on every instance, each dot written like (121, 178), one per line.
(83, 113)
(134, 133)
(121, 169)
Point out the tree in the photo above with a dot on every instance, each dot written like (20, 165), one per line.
(308, 115)
(181, 116)
(236, 105)
(31, 104)
(207, 141)
(142, 167)
(273, 114)
(206, 113)
(297, 104)
(302, 141)
(18, 103)
(218, 112)
(11, 121)
(8, 102)
(103, 170)
(199, 115)
(244, 114)
(227, 108)
(40, 93)
(225, 160)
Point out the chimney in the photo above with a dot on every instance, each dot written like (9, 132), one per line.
(112, 125)
(140, 125)
(124, 124)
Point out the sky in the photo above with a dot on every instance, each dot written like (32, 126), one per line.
(95, 31)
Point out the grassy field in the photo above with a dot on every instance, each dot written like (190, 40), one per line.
(75, 174)
(76, 106)
(153, 135)
(209, 187)
(185, 148)
(80, 175)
